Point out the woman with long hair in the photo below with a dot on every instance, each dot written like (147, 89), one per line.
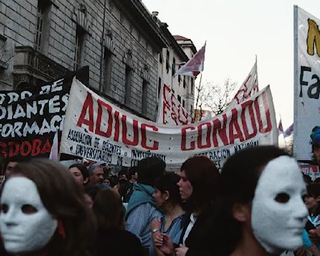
(111, 237)
(198, 186)
(43, 211)
(262, 209)
(168, 200)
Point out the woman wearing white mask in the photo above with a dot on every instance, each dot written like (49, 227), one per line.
(43, 212)
(263, 212)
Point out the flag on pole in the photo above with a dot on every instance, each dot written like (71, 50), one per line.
(280, 127)
(249, 87)
(288, 131)
(195, 65)
(54, 153)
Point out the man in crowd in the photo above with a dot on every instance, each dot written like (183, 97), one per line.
(96, 174)
(126, 186)
(141, 208)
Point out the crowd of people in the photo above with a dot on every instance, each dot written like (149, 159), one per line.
(259, 204)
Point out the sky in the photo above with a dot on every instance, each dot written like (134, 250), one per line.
(236, 31)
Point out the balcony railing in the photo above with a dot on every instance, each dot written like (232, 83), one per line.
(30, 62)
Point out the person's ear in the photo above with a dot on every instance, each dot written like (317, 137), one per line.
(241, 212)
(85, 181)
(166, 195)
(318, 198)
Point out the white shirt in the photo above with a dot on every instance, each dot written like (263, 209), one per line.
(193, 219)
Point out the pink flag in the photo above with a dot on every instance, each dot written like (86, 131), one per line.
(280, 127)
(195, 65)
(288, 131)
(249, 87)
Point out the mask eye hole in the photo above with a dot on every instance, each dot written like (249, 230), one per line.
(282, 198)
(4, 208)
(28, 209)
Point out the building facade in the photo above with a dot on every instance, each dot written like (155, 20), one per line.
(41, 40)
(130, 53)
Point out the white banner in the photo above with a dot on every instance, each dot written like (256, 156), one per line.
(249, 87)
(307, 82)
(170, 110)
(98, 130)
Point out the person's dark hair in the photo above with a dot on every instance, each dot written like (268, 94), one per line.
(114, 180)
(150, 169)
(109, 210)
(168, 182)
(204, 177)
(8, 160)
(123, 171)
(239, 178)
(63, 197)
(83, 169)
(92, 190)
(307, 179)
(314, 191)
(132, 171)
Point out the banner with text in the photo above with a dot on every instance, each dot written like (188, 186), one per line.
(170, 110)
(249, 87)
(98, 130)
(29, 118)
(306, 82)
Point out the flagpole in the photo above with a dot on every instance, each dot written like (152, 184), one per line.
(296, 73)
(197, 100)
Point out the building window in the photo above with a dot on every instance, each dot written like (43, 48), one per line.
(107, 70)
(179, 79)
(160, 57)
(173, 66)
(183, 103)
(192, 86)
(191, 109)
(42, 24)
(128, 81)
(79, 45)
(179, 98)
(144, 96)
(168, 61)
(184, 82)
(159, 86)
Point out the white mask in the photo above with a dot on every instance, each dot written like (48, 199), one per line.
(278, 225)
(25, 223)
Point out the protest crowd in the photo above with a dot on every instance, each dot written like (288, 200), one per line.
(178, 186)
(257, 205)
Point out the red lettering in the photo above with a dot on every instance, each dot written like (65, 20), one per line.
(135, 139)
(46, 147)
(267, 113)
(107, 133)
(116, 126)
(207, 136)
(234, 128)
(217, 128)
(87, 106)
(3, 152)
(25, 151)
(248, 105)
(36, 143)
(155, 145)
(184, 139)
(13, 148)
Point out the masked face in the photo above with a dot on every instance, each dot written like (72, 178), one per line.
(278, 211)
(25, 223)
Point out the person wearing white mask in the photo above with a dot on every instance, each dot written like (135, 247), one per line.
(43, 212)
(262, 207)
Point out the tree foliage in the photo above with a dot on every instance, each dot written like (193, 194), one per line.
(214, 97)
